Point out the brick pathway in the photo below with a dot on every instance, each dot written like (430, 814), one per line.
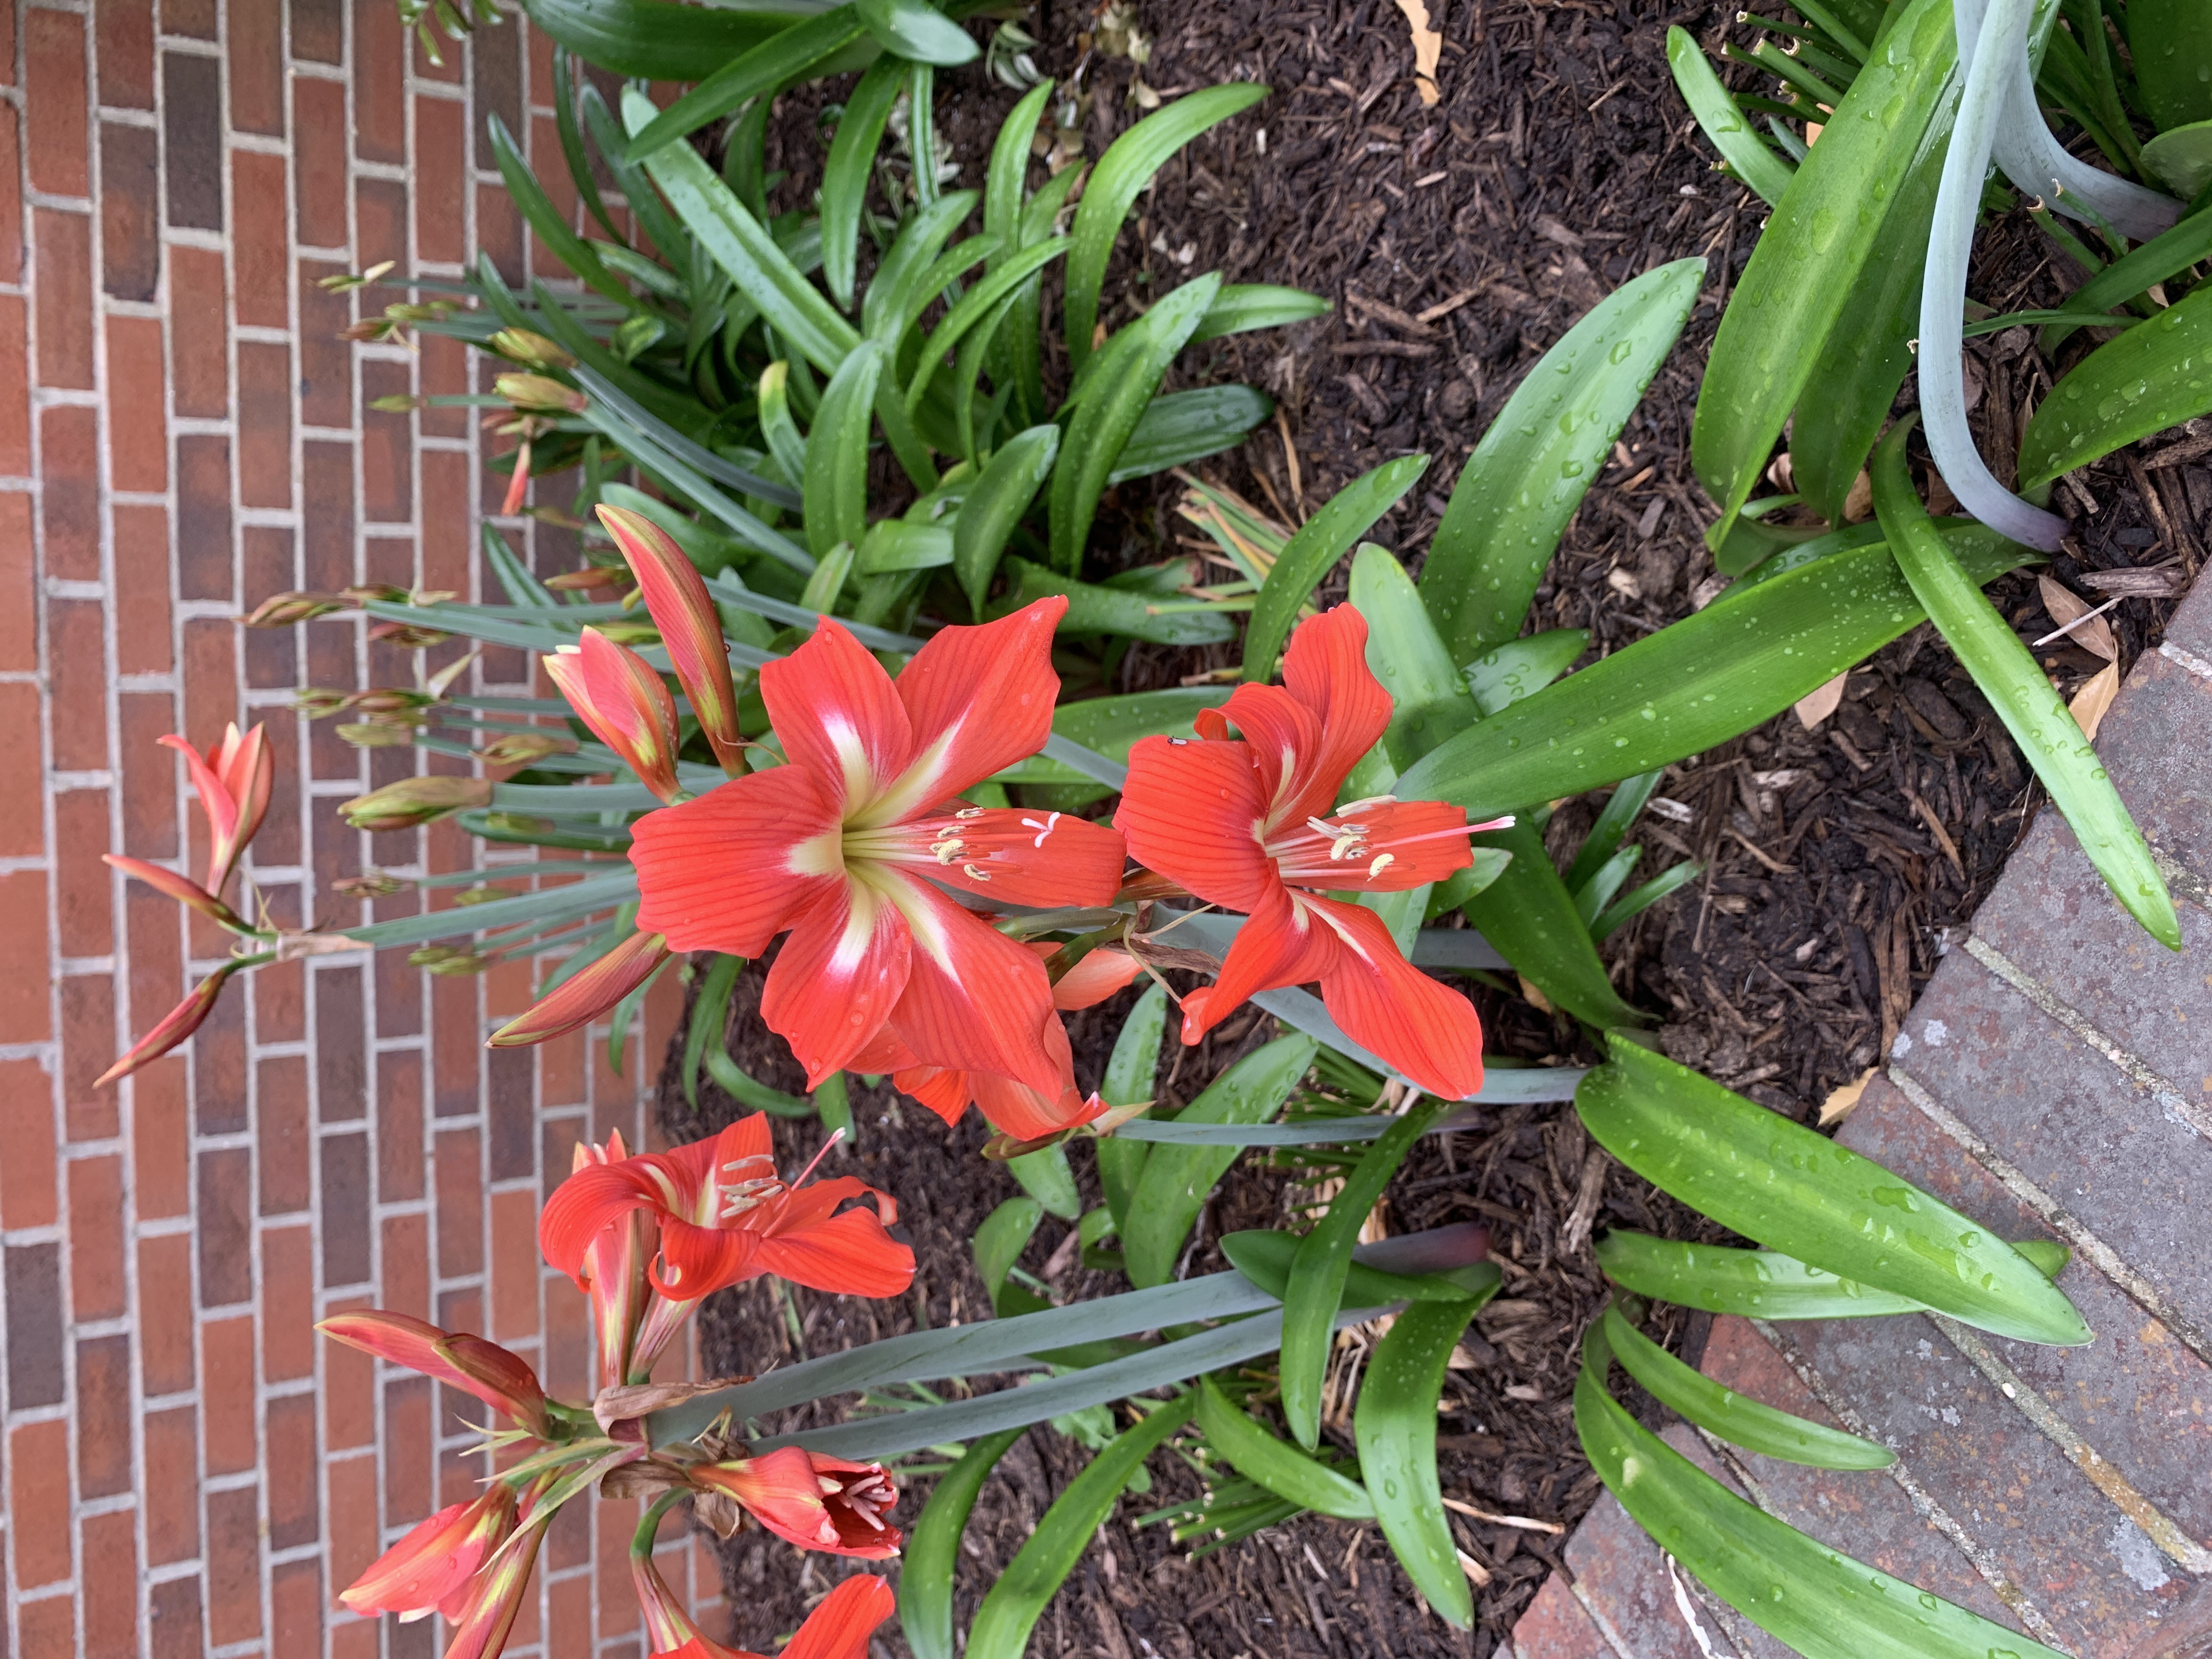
(2054, 1079)
(185, 1469)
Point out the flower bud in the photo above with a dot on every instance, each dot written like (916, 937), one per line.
(591, 576)
(369, 885)
(233, 781)
(413, 801)
(181, 1023)
(521, 345)
(620, 696)
(282, 610)
(691, 629)
(540, 396)
(385, 732)
(407, 636)
(521, 748)
(817, 1502)
(186, 891)
(582, 997)
(431, 1567)
(318, 701)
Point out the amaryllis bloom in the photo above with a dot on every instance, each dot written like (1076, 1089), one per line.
(502, 1380)
(848, 845)
(690, 627)
(725, 1218)
(622, 698)
(180, 1022)
(613, 1277)
(233, 782)
(429, 1570)
(585, 995)
(1250, 824)
(837, 1629)
(817, 1502)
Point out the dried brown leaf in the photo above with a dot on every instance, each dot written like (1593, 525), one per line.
(1428, 47)
(1838, 1106)
(2067, 609)
(2091, 701)
(1817, 705)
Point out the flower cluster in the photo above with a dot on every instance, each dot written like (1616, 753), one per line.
(645, 1237)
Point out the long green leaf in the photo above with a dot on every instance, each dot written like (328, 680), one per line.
(1177, 1179)
(2157, 374)
(1762, 1284)
(1521, 668)
(1529, 472)
(658, 40)
(845, 175)
(1529, 916)
(1824, 1605)
(572, 142)
(1311, 554)
(1124, 170)
(545, 220)
(1276, 1464)
(1760, 1175)
(1395, 1425)
(1033, 1577)
(994, 504)
(1735, 1418)
(1324, 1258)
(2006, 672)
(932, 1549)
(2166, 255)
(1810, 258)
(1007, 274)
(1241, 307)
(2171, 42)
(576, 899)
(1008, 171)
(1097, 608)
(836, 481)
(1046, 1177)
(1697, 682)
(1000, 1242)
(1178, 428)
(1130, 1072)
(1429, 696)
(784, 56)
(1723, 119)
(917, 32)
(1127, 375)
(1268, 1259)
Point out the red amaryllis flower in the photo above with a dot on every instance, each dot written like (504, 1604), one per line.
(838, 1628)
(613, 1275)
(1247, 824)
(429, 1570)
(843, 847)
(622, 698)
(816, 1503)
(502, 1380)
(495, 1595)
(233, 781)
(725, 1218)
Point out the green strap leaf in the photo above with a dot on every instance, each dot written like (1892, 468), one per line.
(2006, 672)
(1006, 174)
(2167, 254)
(1808, 259)
(1526, 477)
(836, 478)
(1763, 1284)
(1177, 1180)
(1033, 1577)
(1007, 274)
(1723, 120)
(1276, 1464)
(1000, 1242)
(2171, 42)
(917, 32)
(1126, 376)
(845, 175)
(1268, 1259)
(994, 504)
(2157, 374)
(1395, 1425)
(1632, 904)
(932, 1548)
(1737, 1418)
(1324, 1258)
(1311, 554)
(1130, 1072)
(1241, 307)
(891, 290)
(1125, 169)
(1178, 428)
(1702, 680)
(572, 142)
(1521, 668)
(1097, 608)
(657, 39)
(1824, 1605)
(546, 221)
(1046, 1177)
(1756, 1173)
(1429, 696)
(788, 55)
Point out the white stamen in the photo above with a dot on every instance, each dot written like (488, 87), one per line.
(1323, 827)
(1377, 868)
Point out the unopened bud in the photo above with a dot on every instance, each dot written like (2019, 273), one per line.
(387, 732)
(183, 889)
(282, 610)
(407, 636)
(539, 395)
(399, 402)
(413, 801)
(381, 591)
(390, 700)
(443, 959)
(620, 696)
(684, 615)
(596, 575)
(521, 748)
(369, 885)
(316, 701)
(583, 996)
(521, 345)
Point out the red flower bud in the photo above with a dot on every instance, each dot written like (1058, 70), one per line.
(617, 694)
(430, 1568)
(233, 781)
(500, 1379)
(186, 891)
(690, 627)
(582, 997)
(182, 1021)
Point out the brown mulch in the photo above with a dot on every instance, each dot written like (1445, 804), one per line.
(1558, 166)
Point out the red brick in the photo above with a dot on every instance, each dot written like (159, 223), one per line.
(142, 608)
(64, 241)
(123, 31)
(295, 1607)
(568, 1621)
(205, 569)
(89, 1048)
(457, 1204)
(152, 775)
(129, 198)
(96, 1248)
(499, 232)
(320, 173)
(81, 882)
(166, 1362)
(410, 1459)
(160, 1141)
(379, 87)
(398, 1127)
(198, 305)
(260, 254)
(287, 1303)
(69, 469)
(11, 186)
(27, 1187)
(54, 97)
(224, 1211)
(443, 369)
(268, 564)
(14, 390)
(227, 1394)
(39, 1482)
(440, 189)
(172, 1611)
(350, 1518)
(173, 1485)
(264, 425)
(381, 228)
(138, 448)
(281, 1132)
(234, 1565)
(514, 1265)
(192, 139)
(104, 1417)
(348, 1400)
(290, 1432)
(256, 69)
(194, 17)
(25, 1014)
(50, 1625)
(560, 188)
(77, 655)
(326, 390)
(111, 1619)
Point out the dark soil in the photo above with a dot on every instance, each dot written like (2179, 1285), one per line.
(1558, 165)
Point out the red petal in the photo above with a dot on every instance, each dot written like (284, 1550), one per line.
(778, 1488)
(979, 699)
(975, 999)
(841, 1627)
(1094, 979)
(729, 870)
(838, 716)
(589, 1200)
(1282, 942)
(838, 976)
(882, 1053)
(696, 1261)
(847, 1254)
(1326, 669)
(945, 1090)
(1031, 857)
(1428, 1033)
(1285, 740)
(1191, 811)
